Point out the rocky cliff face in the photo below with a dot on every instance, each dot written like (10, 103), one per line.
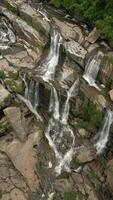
(54, 74)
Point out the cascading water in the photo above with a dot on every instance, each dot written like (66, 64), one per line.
(72, 92)
(103, 134)
(59, 134)
(48, 66)
(7, 37)
(31, 97)
(92, 69)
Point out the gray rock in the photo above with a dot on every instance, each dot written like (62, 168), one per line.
(4, 96)
(17, 121)
(75, 51)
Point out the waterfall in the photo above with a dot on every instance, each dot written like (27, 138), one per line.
(58, 133)
(7, 36)
(103, 133)
(48, 66)
(31, 96)
(72, 92)
(92, 69)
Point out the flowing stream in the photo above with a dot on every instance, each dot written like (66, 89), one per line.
(31, 97)
(48, 66)
(103, 134)
(92, 69)
(59, 134)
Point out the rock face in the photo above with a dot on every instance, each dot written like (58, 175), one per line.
(111, 94)
(17, 122)
(86, 154)
(24, 159)
(70, 31)
(4, 96)
(109, 173)
(93, 36)
(76, 52)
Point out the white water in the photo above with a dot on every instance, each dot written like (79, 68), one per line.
(103, 134)
(92, 69)
(58, 133)
(7, 36)
(72, 92)
(31, 97)
(44, 14)
(48, 66)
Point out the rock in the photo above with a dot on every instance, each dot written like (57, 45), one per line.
(4, 96)
(100, 101)
(11, 181)
(93, 36)
(109, 173)
(82, 132)
(75, 51)
(92, 47)
(30, 14)
(70, 31)
(111, 94)
(17, 194)
(93, 196)
(86, 154)
(24, 159)
(17, 122)
(106, 71)
(63, 185)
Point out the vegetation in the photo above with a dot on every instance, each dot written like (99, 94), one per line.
(2, 75)
(98, 12)
(89, 115)
(4, 127)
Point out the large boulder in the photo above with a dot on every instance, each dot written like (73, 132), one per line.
(75, 51)
(93, 36)
(23, 156)
(86, 154)
(70, 31)
(17, 121)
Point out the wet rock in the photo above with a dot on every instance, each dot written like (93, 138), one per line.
(4, 96)
(70, 31)
(17, 122)
(93, 36)
(76, 52)
(111, 94)
(24, 159)
(86, 154)
(109, 173)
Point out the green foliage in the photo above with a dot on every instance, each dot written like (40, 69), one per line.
(99, 12)
(90, 116)
(2, 75)
(4, 127)
(13, 75)
(69, 196)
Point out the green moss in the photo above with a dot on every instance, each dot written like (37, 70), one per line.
(109, 59)
(13, 86)
(69, 196)
(13, 75)
(4, 127)
(1, 194)
(2, 75)
(90, 116)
